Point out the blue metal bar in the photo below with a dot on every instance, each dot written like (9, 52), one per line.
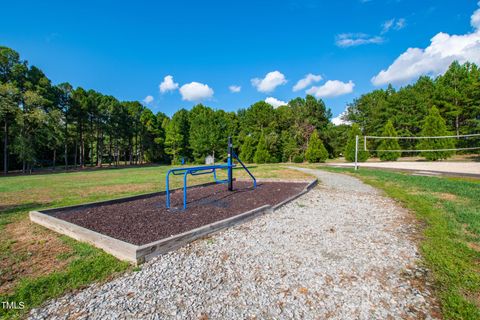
(168, 190)
(194, 171)
(185, 190)
(229, 163)
(248, 171)
(200, 172)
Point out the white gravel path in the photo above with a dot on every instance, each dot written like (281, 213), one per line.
(342, 251)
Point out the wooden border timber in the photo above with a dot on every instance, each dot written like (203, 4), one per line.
(139, 254)
(118, 248)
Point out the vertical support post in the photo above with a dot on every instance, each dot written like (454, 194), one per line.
(168, 190)
(185, 190)
(364, 143)
(356, 152)
(229, 163)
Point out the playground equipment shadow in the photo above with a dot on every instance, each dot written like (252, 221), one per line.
(140, 227)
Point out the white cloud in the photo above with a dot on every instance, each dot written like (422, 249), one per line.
(270, 82)
(434, 59)
(168, 84)
(400, 24)
(356, 39)
(275, 102)
(396, 24)
(338, 120)
(148, 99)
(234, 88)
(475, 19)
(332, 88)
(195, 91)
(305, 82)
(387, 25)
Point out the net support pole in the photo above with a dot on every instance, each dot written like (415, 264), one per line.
(364, 143)
(356, 152)
(229, 163)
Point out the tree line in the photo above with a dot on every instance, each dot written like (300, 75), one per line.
(47, 125)
(455, 95)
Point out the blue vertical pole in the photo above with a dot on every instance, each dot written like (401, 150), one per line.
(229, 163)
(168, 191)
(185, 190)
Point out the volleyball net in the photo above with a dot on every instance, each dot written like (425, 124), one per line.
(463, 142)
(448, 145)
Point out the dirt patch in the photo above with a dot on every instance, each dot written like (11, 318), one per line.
(446, 196)
(473, 297)
(40, 196)
(146, 220)
(28, 251)
(467, 232)
(474, 246)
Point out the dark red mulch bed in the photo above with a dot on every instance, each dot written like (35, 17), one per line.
(142, 221)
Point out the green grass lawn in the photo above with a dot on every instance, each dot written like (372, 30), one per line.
(450, 210)
(37, 264)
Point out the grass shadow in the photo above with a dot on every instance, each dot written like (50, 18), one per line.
(10, 209)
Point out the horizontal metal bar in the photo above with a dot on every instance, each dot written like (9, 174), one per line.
(438, 137)
(430, 150)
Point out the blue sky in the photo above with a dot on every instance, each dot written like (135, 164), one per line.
(127, 49)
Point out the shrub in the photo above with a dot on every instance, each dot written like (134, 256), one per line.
(298, 158)
(316, 151)
(350, 147)
(434, 125)
(262, 155)
(389, 144)
(248, 150)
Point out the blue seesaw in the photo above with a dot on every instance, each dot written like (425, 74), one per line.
(196, 171)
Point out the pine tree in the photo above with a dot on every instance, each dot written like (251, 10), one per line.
(289, 146)
(434, 125)
(262, 155)
(316, 151)
(247, 152)
(173, 141)
(389, 144)
(350, 148)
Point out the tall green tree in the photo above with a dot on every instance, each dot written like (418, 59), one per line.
(434, 125)
(316, 151)
(247, 151)
(175, 131)
(337, 137)
(64, 102)
(389, 144)
(289, 146)
(205, 134)
(53, 133)
(9, 101)
(261, 154)
(362, 155)
(30, 122)
(79, 112)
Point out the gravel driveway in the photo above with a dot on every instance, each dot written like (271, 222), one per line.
(342, 251)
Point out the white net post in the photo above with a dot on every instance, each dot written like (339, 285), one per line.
(356, 152)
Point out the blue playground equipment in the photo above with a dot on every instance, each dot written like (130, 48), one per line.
(196, 171)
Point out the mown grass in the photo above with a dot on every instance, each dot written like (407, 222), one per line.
(84, 264)
(450, 211)
(88, 265)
